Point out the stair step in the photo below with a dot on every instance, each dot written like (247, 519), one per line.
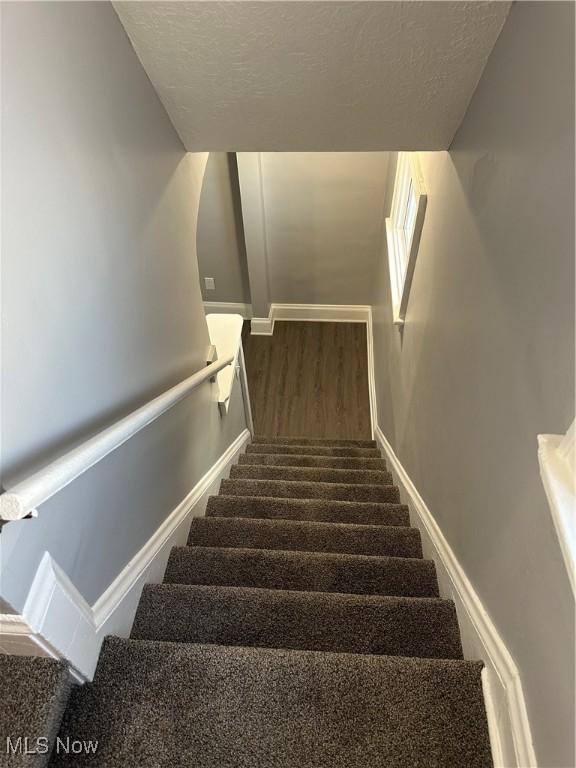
(396, 541)
(314, 621)
(319, 510)
(310, 474)
(34, 695)
(312, 571)
(290, 489)
(295, 460)
(176, 705)
(314, 441)
(313, 450)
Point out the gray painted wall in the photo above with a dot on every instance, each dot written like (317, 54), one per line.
(220, 239)
(324, 216)
(100, 297)
(486, 359)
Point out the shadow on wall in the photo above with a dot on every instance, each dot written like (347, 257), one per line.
(134, 301)
(102, 307)
(237, 207)
(220, 243)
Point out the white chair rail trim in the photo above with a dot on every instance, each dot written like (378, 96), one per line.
(56, 619)
(23, 498)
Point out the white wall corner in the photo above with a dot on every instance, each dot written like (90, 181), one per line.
(556, 460)
(57, 621)
(371, 372)
(254, 221)
(507, 716)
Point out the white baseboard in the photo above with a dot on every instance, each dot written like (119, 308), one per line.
(371, 372)
(57, 621)
(228, 308)
(19, 639)
(262, 326)
(322, 313)
(506, 708)
(318, 313)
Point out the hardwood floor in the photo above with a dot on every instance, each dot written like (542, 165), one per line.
(310, 380)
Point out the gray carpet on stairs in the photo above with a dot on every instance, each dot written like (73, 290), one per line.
(314, 621)
(33, 696)
(313, 571)
(291, 489)
(331, 462)
(312, 450)
(301, 628)
(179, 705)
(397, 541)
(314, 441)
(311, 474)
(319, 510)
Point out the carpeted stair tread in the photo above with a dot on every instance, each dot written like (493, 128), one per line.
(296, 460)
(314, 441)
(313, 450)
(396, 541)
(310, 474)
(176, 705)
(313, 571)
(320, 510)
(34, 695)
(314, 621)
(291, 489)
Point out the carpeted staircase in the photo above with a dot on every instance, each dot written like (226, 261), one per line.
(33, 696)
(300, 628)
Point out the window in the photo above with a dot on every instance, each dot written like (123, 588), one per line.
(403, 229)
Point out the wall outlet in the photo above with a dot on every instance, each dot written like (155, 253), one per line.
(209, 284)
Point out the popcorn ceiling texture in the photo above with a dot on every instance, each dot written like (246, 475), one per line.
(284, 76)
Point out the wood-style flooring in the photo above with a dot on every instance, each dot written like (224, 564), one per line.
(310, 380)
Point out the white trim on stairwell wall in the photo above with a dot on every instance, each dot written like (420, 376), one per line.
(57, 621)
(262, 326)
(508, 723)
(323, 313)
(506, 708)
(228, 308)
(371, 373)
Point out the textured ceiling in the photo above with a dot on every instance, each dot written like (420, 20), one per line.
(282, 76)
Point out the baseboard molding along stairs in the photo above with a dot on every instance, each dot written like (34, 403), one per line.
(41, 627)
